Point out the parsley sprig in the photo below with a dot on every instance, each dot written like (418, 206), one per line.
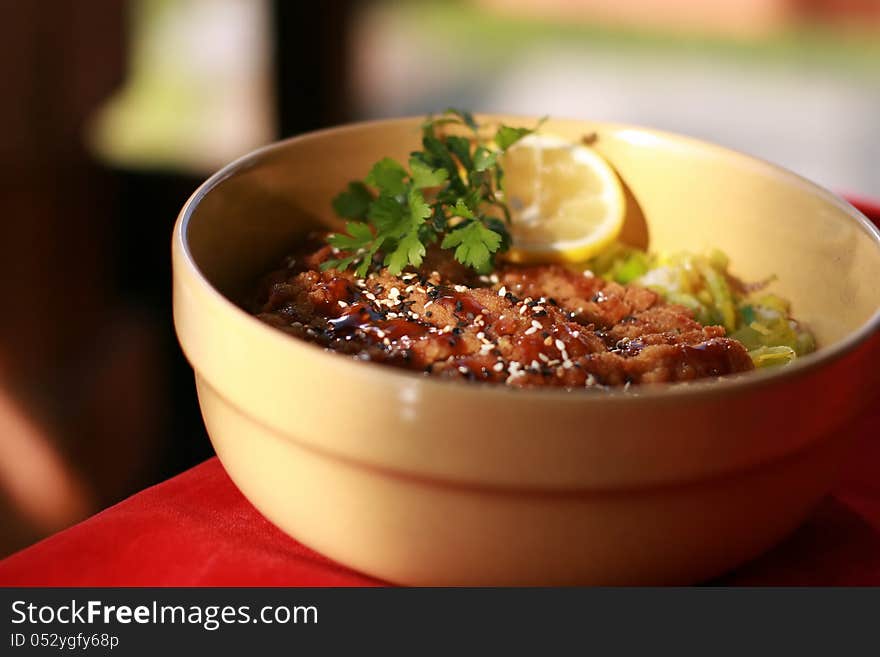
(448, 192)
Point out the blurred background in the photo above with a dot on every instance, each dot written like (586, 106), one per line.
(115, 111)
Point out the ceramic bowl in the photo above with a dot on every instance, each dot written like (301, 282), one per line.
(426, 482)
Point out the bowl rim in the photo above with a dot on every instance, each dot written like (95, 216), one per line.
(656, 391)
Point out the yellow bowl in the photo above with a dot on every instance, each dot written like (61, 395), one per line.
(427, 482)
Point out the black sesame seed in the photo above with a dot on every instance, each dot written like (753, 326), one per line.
(428, 313)
(552, 301)
(458, 306)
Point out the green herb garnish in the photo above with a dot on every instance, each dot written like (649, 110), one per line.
(448, 192)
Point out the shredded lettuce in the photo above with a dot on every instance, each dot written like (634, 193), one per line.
(762, 322)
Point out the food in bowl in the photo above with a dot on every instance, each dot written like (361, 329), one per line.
(429, 276)
(420, 481)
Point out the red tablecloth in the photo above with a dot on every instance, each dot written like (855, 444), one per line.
(198, 530)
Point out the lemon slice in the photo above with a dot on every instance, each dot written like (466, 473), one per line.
(566, 202)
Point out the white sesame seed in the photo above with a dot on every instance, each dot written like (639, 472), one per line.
(494, 278)
(502, 291)
(544, 357)
(537, 324)
(535, 365)
(392, 315)
(393, 293)
(460, 288)
(531, 330)
(574, 334)
(481, 336)
(342, 304)
(499, 366)
(380, 333)
(560, 345)
(463, 369)
(538, 309)
(523, 309)
(428, 305)
(567, 364)
(370, 296)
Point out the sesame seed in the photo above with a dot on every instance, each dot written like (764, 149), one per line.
(574, 334)
(393, 293)
(380, 333)
(560, 345)
(494, 278)
(536, 324)
(460, 288)
(342, 304)
(498, 367)
(463, 369)
(481, 336)
(370, 296)
(522, 310)
(428, 304)
(544, 357)
(531, 330)
(502, 291)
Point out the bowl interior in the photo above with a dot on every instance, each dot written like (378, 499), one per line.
(690, 195)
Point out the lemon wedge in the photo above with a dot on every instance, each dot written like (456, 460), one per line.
(566, 202)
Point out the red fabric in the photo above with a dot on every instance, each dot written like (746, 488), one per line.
(198, 530)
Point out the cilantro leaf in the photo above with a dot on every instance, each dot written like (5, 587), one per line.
(353, 202)
(388, 175)
(424, 176)
(386, 214)
(484, 158)
(462, 210)
(418, 207)
(409, 251)
(461, 148)
(474, 244)
(466, 117)
(358, 235)
(506, 136)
